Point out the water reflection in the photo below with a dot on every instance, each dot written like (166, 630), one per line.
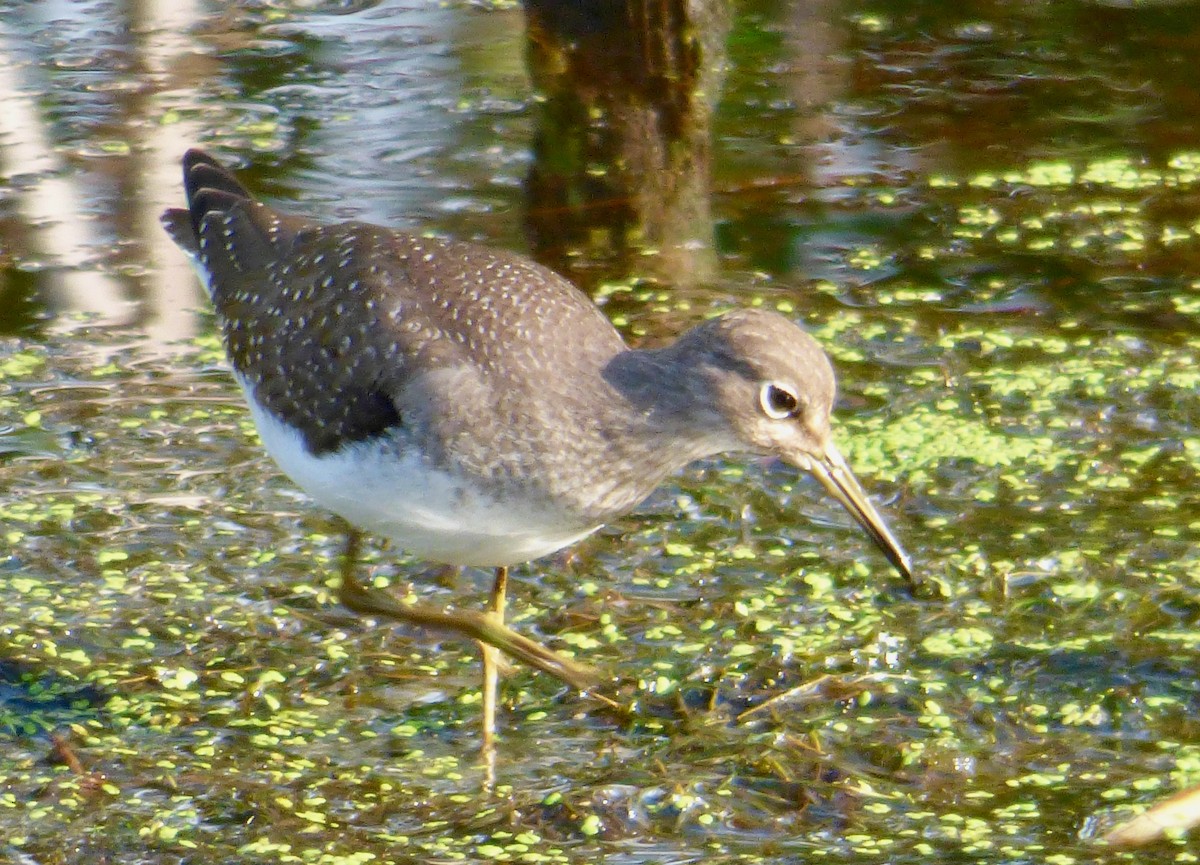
(87, 70)
(989, 214)
(623, 144)
(366, 116)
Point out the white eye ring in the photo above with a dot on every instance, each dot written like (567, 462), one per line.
(777, 401)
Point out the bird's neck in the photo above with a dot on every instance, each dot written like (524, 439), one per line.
(672, 400)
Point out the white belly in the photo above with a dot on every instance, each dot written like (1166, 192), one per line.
(428, 512)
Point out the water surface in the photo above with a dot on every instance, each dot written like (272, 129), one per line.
(988, 213)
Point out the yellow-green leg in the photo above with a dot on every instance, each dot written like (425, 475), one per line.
(487, 628)
(491, 658)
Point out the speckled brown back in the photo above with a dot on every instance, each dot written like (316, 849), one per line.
(333, 326)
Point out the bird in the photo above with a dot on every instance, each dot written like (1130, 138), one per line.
(477, 408)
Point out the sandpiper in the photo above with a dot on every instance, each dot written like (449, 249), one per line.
(477, 408)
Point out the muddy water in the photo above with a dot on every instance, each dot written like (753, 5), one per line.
(988, 215)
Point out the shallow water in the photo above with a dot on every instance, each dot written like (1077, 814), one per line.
(989, 216)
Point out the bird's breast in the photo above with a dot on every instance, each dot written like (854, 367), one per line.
(385, 486)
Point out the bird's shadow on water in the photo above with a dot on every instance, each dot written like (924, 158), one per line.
(36, 702)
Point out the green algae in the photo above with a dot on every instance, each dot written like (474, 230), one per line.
(222, 665)
(169, 605)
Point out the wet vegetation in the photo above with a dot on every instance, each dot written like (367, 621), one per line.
(1009, 287)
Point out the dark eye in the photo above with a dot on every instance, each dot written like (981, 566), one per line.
(778, 402)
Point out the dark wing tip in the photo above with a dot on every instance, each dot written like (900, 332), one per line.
(178, 224)
(195, 156)
(209, 186)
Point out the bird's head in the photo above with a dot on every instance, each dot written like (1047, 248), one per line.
(773, 387)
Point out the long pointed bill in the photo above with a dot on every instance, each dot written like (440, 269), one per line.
(831, 470)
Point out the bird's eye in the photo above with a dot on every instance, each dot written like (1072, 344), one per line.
(778, 402)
